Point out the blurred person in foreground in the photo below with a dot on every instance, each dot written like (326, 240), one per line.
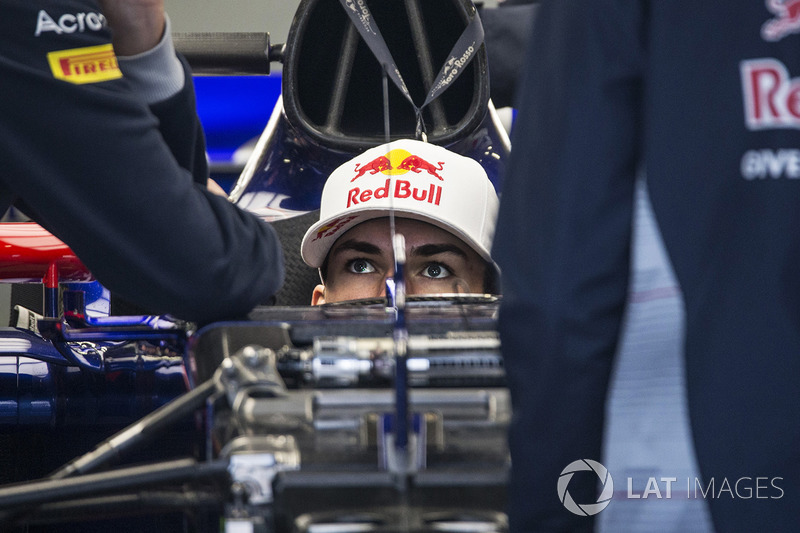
(700, 98)
(444, 205)
(101, 145)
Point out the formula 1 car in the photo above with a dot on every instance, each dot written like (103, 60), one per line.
(374, 415)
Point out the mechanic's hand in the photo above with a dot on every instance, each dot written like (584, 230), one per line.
(137, 25)
(216, 188)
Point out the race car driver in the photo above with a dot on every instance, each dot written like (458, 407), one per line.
(103, 147)
(444, 206)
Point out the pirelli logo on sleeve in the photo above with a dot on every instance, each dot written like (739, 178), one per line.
(91, 64)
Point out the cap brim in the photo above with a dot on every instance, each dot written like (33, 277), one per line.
(319, 238)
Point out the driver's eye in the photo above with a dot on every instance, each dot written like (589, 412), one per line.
(436, 271)
(360, 266)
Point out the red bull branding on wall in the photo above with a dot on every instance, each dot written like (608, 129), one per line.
(397, 162)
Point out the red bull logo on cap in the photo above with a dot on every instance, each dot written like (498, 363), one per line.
(786, 21)
(398, 162)
(379, 164)
(416, 164)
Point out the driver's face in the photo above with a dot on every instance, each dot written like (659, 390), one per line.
(437, 262)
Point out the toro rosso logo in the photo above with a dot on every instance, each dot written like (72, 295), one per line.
(771, 97)
(360, 9)
(786, 21)
(454, 65)
(396, 162)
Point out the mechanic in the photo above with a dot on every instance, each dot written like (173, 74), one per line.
(103, 147)
(699, 97)
(444, 205)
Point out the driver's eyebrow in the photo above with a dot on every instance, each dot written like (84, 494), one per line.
(427, 250)
(363, 247)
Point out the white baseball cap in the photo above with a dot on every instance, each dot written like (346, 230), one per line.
(417, 180)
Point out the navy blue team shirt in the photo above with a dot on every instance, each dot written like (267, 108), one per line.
(120, 181)
(703, 97)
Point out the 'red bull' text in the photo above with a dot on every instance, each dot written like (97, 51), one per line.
(402, 189)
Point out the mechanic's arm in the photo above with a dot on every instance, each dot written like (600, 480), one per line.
(88, 157)
(143, 43)
(137, 25)
(562, 243)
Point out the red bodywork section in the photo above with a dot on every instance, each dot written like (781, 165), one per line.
(28, 253)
